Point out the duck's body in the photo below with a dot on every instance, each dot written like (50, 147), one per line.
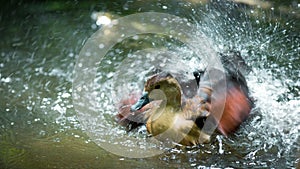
(172, 125)
(172, 119)
(171, 115)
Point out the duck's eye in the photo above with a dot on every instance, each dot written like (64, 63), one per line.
(157, 87)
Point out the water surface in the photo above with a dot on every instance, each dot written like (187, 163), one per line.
(40, 42)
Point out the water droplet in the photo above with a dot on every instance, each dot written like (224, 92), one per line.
(65, 95)
(42, 133)
(103, 20)
(125, 7)
(101, 46)
(110, 74)
(94, 26)
(56, 139)
(135, 37)
(6, 80)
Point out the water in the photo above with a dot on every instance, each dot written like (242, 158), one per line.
(39, 127)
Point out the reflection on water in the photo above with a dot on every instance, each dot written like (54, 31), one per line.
(39, 47)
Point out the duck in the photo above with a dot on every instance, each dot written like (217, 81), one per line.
(187, 112)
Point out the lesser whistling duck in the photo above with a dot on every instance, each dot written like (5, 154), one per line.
(169, 114)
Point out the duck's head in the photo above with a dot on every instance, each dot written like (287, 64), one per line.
(162, 87)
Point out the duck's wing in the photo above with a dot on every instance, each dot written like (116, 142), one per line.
(236, 109)
(196, 109)
(133, 119)
(230, 104)
(238, 103)
(125, 117)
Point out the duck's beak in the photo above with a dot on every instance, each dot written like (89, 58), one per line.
(141, 102)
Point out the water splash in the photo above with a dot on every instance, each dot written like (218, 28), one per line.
(270, 48)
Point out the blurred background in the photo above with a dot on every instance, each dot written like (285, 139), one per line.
(41, 40)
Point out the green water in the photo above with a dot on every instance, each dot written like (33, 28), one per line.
(40, 42)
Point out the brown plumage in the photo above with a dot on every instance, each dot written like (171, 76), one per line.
(171, 115)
